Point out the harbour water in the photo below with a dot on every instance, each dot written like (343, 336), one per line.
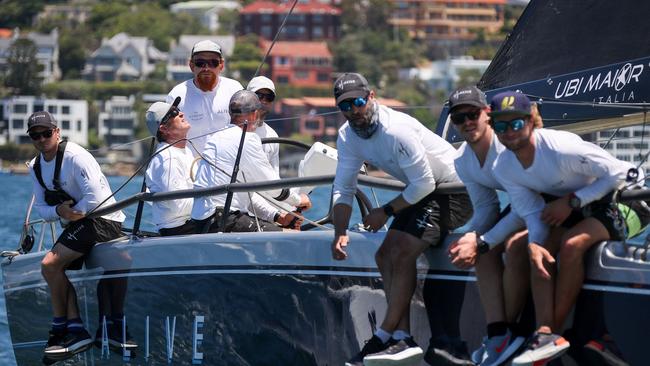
(17, 190)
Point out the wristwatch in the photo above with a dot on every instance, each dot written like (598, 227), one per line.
(482, 246)
(574, 202)
(388, 210)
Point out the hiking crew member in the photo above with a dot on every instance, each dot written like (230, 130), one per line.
(169, 169)
(405, 149)
(219, 158)
(556, 180)
(204, 98)
(503, 290)
(77, 189)
(264, 88)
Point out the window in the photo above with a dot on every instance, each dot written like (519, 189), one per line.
(317, 32)
(301, 74)
(20, 108)
(65, 124)
(79, 125)
(281, 60)
(283, 80)
(38, 108)
(65, 109)
(312, 124)
(52, 109)
(266, 31)
(17, 124)
(323, 77)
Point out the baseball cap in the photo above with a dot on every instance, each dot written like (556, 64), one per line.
(206, 46)
(244, 101)
(510, 103)
(350, 85)
(41, 119)
(157, 112)
(469, 95)
(261, 82)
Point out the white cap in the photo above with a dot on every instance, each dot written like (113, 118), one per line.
(206, 46)
(157, 112)
(260, 82)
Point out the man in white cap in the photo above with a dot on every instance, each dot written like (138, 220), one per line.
(264, 88)
(205, 97)
(216, 169)
(169, 168)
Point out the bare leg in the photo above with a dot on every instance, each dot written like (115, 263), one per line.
(516, 275)
(571, 272)
(53, 270)
(489, 276)
(544, 289)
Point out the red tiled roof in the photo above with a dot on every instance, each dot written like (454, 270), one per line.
(268, 7)
(294, 49)
(6, 33)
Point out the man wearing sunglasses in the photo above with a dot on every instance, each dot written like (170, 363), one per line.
(562, 187)
(205, 97)
(402, 147)
(169, 169)
(264, 88)
(78, 189)
(249, 211)
(502, 290)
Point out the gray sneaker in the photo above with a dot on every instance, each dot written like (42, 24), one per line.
(373, 345)
(447, 352)
(542, 347)
(402, 352)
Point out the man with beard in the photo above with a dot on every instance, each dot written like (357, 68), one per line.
(556, 180)
(402, 147)
(502, 290)
(204, 99)
(265, 90)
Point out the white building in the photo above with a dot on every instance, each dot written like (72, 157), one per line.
(207, 12)
(47, 52)
(116, 127)
(628, 144)
(444, 75)
(71, 115)
(178, 68)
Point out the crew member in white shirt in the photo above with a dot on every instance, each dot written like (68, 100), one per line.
(204, 98)
(264, 88)
(81, 188)
(169, 169)
(249, 210)
(402, 147)
(558, 181)
(503, 290)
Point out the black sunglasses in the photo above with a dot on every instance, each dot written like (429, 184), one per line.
(37, 135)
(203, 63)
(459, 118)
(173, 112)
(269, 97)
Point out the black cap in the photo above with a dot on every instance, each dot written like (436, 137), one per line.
(469, 95)
(41, 119)
(350, 85)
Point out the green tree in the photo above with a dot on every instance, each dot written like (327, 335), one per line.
(19, 13)
(72, 52)
(228, 21)
(246, 57)
(22, 75)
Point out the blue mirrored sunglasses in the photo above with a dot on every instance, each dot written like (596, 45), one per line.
(358, 102)
(502, 126)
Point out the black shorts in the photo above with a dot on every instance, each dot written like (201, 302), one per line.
(622, 220)
(82, 235)
(431, 218)
(236, 222)
(187, 228)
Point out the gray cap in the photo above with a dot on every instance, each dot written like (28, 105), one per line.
(41, 119)
(157, 112)
(244, 101)
(469, 95)
(350, 85)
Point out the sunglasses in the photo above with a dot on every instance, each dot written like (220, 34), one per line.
(502, 126)
(459, 118)
(173, 112)
(358, 102)
(37, 135)
(203, 63)
(269, 97)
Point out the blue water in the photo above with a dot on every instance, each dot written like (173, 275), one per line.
(17, 191)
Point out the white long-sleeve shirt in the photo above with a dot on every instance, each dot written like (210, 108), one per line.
(403, 148)
(80, 177)
(221, 150)
(169, 171)
(206, 112)
(482, 188)
(563, 163)
(272, 150)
